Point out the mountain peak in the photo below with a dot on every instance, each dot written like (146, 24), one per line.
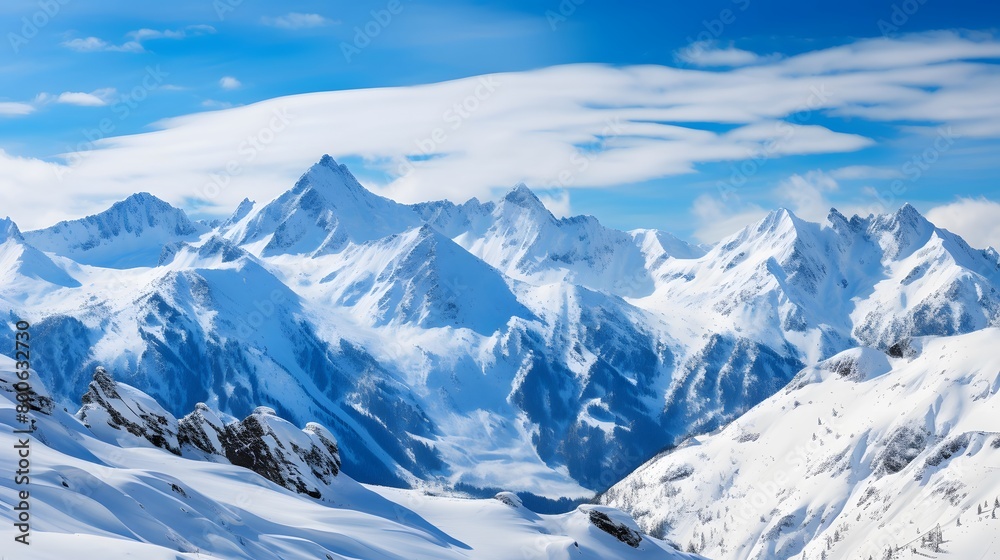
(909, 213)
(901, 232)
(244, 208)
(9, 230)
(327, 176)
(522, 196)
(132, 232)
(325, 210)
(778, 221)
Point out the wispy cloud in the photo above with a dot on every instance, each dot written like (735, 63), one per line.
(215, 104)
(572, 127)
(137, 37)
(861, 172)
(94, 44)
(709, 54)
(15, 109)
(96, 98)
(144, 34)
(229, 82)
(296, 20)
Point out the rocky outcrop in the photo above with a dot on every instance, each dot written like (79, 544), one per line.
(621, 531)
(122, 407)
(305, 461)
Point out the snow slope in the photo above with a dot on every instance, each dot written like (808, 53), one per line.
(860, 453)
(108, 490)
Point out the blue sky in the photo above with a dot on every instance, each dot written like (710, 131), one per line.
(68, 66)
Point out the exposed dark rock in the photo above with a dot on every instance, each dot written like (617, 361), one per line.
(136, 413)
(305, 461)
(616, 530)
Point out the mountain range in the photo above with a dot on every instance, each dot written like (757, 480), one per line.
(481, 346)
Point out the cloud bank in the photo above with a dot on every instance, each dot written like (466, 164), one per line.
(559, 128)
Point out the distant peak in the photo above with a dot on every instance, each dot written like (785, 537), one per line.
(327, 175)
(244, 208)
(145, 199)
(522, 196)
(143, 204)
(908, 212)
(777, 219)
(9, 230)
(907, 215)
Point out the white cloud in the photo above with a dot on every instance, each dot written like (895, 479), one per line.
(296, 20)
(216, 104)
(15, 109)
(719, 218)
(977, 220)
(134, 45)
(858, 172)
(557, 203)
(229, 82)
(708, 53)
(144, 34)
(94, 44)
(96, 98)
(806, 195)
(566, 127)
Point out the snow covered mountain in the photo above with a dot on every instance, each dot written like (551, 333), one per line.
(862, 453)
(325, 210)
(480, 346)
(125, 478)
(27, 273)
(130, 233)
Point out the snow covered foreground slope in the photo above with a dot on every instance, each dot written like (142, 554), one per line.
(120, 479)
(860, 453)
(477, 345)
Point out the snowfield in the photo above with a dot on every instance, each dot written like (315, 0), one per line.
(859, 453)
